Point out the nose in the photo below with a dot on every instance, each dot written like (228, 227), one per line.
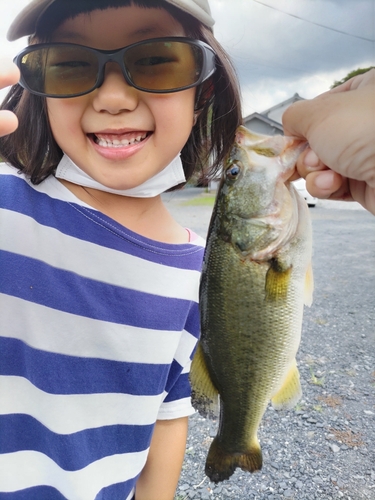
(115, 94)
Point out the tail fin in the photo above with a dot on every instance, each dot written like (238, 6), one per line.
(221, 464)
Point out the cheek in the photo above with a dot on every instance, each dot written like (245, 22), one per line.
(176, 115)
(64, 117)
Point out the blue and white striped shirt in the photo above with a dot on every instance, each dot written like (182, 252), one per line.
(97, 329)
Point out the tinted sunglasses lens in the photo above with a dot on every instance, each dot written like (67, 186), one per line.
(58, 71)
(164, 65)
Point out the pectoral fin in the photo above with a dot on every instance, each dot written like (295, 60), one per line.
(205, 397)
(290, 392)
(309, 287)
(277, 282)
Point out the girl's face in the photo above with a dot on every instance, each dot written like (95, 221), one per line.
(153, 127)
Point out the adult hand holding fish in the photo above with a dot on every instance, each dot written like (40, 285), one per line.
(9, 76)
(340, 128)
(256, 278)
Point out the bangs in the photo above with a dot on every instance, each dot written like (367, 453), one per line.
(61, 10)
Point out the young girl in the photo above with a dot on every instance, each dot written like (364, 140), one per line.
(98, 304)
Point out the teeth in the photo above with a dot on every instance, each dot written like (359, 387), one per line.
(107, 143)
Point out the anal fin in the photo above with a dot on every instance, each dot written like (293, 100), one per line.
(290, 392)
(205, 397)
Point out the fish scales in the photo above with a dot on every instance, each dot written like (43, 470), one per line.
(255, 280)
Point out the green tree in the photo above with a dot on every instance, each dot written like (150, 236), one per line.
(350, 75)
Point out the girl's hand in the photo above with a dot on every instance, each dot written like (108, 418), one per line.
(340, 128)
(9, 76)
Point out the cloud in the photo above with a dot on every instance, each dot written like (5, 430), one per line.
(277, 54)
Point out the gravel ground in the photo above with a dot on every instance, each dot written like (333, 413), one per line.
(324, 448)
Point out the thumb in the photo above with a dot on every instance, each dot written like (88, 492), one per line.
(296, 119)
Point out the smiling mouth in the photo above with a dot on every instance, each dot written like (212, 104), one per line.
(118, 141)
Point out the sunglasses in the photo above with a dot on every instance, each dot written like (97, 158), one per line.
(158, 65)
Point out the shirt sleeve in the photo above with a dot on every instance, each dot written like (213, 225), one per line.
(177, 402)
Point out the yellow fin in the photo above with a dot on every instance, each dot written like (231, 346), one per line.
(277, 282)
(221, 463)
(309, 287)
(290, 392)
(205, 397)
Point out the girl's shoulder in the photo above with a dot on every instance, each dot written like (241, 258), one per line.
(51, 204)
(13, 182)
(195, 239)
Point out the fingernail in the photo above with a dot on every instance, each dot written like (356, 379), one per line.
(311, 160)
(325, 180)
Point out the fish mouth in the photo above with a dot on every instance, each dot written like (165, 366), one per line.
(267, 151)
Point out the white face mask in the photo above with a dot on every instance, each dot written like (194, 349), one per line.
(172, 175)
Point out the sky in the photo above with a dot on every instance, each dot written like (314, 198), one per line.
(278, 47)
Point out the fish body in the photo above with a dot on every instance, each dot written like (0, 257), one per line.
(256, 278)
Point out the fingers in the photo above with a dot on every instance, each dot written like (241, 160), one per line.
(321, 182)
(9, 73)
(307, 162)
(311, 161)
(327, 184)
(9, 76)
(294, 119)
(8, 122)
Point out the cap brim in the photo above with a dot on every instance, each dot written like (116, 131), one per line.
(199, 9)
(26, 21)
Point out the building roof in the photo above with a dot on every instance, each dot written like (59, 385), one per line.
(284, 104)
(263, 118)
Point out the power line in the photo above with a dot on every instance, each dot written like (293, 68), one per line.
(316, 24)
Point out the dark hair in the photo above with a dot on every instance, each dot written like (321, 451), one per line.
(33, 149)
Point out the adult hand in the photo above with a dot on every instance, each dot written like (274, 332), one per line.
(340, 128)
(9, 75)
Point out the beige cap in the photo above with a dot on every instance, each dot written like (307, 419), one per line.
(26, 21)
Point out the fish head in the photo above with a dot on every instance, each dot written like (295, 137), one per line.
(255, 200)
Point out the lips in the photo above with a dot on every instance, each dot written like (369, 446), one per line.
(119, 140)
(119, 145)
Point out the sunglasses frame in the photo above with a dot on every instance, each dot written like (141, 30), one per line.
(117, 56)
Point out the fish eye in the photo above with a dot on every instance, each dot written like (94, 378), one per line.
(233, 171)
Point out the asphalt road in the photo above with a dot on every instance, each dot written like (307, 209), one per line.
(325, 448)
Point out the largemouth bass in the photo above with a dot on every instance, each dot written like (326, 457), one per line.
(256, 279)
